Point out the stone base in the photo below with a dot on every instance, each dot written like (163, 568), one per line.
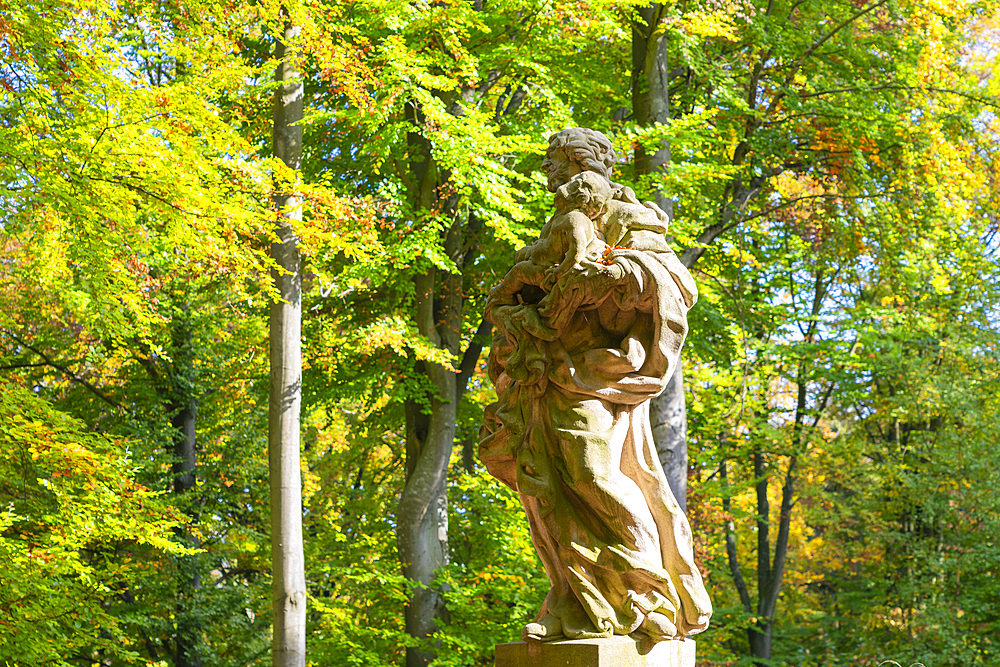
(618, 651)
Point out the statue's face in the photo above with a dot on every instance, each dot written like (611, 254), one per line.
(559, 168)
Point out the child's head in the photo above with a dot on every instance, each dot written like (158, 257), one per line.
(586, 192)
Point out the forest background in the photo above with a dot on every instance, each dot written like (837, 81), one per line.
(831, 169)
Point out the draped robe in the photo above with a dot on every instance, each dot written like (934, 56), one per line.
(570, 432)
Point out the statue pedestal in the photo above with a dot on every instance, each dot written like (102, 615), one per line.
(618, 651)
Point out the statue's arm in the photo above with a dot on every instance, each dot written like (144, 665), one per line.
(583, 286)
(577, 234)
(524, 253)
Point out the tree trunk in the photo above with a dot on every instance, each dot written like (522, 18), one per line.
(175, 385)
(422, 518)
(422, 514)
(651, 106)
(186, 457)
(650, 94)
(183, 468)
(668, 413)
(288, 647)
(759, 635)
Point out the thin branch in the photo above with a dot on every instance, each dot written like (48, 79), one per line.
(792, 11)
(8, 367)
(65, 371)
(805, 114)
(106, 128)
(823, 40)
(144, 191)
(815, 45)
(933, 89)
(789, 202)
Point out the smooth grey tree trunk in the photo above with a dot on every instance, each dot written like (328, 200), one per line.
(651, 106)
(288, 647)
(422, 518)
(422, 528)
(668, 414)
(650, 93)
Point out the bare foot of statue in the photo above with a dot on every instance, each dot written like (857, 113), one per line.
(547, 628)
(658, 626)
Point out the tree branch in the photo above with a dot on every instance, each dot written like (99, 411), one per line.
(7, 367)
(933, 89)
(823, 40)
(741, 196)
(812, 49)
(769, 595)
(515, 101)
(65, 371)
(764, 576)
(795, 200)
(471, 356)
(144, 191)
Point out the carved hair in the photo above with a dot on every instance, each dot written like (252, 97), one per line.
(589, 148)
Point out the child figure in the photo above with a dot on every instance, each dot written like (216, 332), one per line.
(570, 239)
(572, 235)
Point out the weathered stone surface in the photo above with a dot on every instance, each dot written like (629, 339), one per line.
(618, 651)
(589, 326)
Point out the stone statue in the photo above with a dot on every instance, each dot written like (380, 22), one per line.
(589, 327)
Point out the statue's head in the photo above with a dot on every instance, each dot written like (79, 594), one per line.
(574, 151)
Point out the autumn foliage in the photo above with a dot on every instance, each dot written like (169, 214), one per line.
(834, 182)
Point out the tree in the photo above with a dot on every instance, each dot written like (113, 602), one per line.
(651, 108)
(285, 324)
(823, 163)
